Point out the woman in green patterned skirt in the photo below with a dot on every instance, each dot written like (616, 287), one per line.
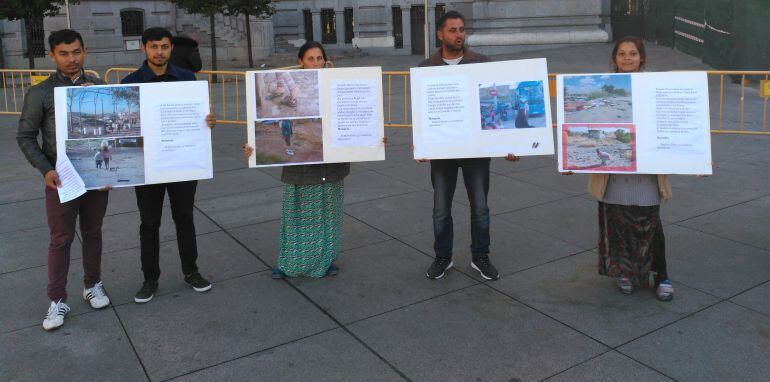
(311, 213)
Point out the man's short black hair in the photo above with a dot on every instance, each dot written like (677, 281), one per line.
(155, 34)
(64, 36)
(449, 15)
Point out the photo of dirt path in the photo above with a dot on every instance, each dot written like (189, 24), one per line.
(599, 148)
(124, 166)
(293, 141)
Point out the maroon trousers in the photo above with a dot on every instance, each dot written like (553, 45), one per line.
(91, 207)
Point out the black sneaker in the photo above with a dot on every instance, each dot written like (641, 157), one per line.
(197, 282)
(485, 268)
(439, 267)
(146, 293)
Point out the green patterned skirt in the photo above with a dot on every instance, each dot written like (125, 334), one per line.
(311, 227)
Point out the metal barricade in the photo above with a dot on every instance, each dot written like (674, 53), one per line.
(14, 84)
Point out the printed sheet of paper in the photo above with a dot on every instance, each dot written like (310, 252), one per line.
(297, 117)
(481, 110)
(135, 134)
(71, 184)
(646, 123)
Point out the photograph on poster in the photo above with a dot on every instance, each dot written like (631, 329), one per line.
(512, 105)
(103, 112)
(110, 161)
(287, 94)
(604, 147)
(598, 99)
(288, 141)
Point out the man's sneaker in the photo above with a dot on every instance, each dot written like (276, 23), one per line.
(625, 285)
(96, 297)
(665, 291)
(485, 268)
(439, 267)
(55, 316)
(146, 293)
(197, 282)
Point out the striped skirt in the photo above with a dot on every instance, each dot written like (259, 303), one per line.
(311, 227)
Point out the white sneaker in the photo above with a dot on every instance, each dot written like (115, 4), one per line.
(55, 316)
(96, 296)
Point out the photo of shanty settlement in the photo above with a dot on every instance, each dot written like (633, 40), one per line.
(598, 99)
(288, 141)
(114, 161)
(512, 105)
(103, 111)
(609, 148)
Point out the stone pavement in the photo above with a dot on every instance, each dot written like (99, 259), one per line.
(551, 317)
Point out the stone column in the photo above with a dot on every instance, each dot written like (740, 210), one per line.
(339, 19)
(406, 25)
(431, 27)
(317, 25)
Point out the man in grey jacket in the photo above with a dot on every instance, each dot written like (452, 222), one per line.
(38, 117)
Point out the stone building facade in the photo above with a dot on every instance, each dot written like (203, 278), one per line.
(112, 32)
(397, 27)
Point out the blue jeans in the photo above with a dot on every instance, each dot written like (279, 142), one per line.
(443, 175)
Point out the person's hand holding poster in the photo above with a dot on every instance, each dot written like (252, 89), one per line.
(647, 123)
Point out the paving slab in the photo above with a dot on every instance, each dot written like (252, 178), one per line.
(417, 175)
(399, 136)
(723, 343)
(610, 367)
(90, 347)
(263, 238)
(686, 204)
(376, 279)
(19, 189)
(747, 223)
(22, 215)
(403, 215)
(518, 342)
(29, 248)
(513, 247)
(756, 299)
(219, 258)
(573, 220)
(370, 185)
(501, 166)
(224, 162)
(735, 181)
(231, 182)
(571, 291)
(243, 209)
(329, 356)
(236, 318)
(122, 231)
(122, 200)
(395, 156)
(717, 266)
(550, 178)
(507, 194)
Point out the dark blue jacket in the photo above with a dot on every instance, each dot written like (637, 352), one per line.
(145, 74)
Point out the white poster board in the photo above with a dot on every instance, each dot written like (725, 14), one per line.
(297, 117)
(133, 134)
(481, 110)
(644, 123)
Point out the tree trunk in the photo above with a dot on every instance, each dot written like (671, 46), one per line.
(30, 53)
(248, 40)
(213, 46)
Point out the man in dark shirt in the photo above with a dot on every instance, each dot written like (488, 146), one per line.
(450, 30)
(38, 117)
(157, 46)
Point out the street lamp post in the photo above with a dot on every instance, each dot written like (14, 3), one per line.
(67, 7)
(427, 30)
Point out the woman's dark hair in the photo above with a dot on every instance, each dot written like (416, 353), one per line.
(310, 45)
(155, 34)
(639, 47)
(64, 36)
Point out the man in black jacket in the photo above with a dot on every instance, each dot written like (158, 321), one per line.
(38, 117)
(185, 54)
(450, 30)
(157, 46)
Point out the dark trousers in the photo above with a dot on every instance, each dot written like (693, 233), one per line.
(61, 222)
(149, 198)
(443, 175)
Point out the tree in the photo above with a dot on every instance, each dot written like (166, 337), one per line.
(247, 8)
(29, 10)
(207, 8)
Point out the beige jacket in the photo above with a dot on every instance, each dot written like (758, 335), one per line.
(597, 185)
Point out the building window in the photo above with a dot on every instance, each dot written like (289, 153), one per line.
(35, 36)
(349, 24)
(132, 22)
(398, 28)
(328, 26)
(440, 11)
(307, 16)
